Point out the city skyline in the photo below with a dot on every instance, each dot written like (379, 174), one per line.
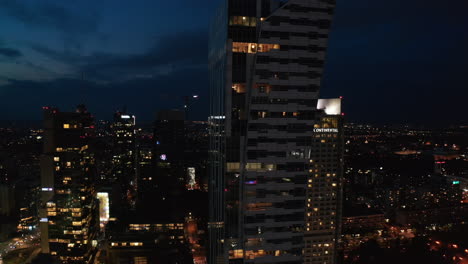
(233, 132)
(128, 46)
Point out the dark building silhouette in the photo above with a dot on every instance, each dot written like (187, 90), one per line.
(168, 160)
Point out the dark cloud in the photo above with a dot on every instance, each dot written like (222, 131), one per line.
(143, 96)
(64, 56)
(181, 50)
(184, 50)
(394, 61)
(10, 53)
(46, 14)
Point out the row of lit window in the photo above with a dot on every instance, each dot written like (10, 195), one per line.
(68, 126)
(243, 21)
(137, 227)
(72, 232)
(67, 258)
(57, 240)
(252, 254)
(235, 167)
(127, 244)
(69, 149)
(244, 47)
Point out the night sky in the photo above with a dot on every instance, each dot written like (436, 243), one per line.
(394, 61)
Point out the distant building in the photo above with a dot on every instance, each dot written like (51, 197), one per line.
(196, 154)
(168, 155)
(432, 218)
(124, 156)
(145, 170)
(140, 248)
(141, 240)
(361, 220)
(69, 209)
(7, 206)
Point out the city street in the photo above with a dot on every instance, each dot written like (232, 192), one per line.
(14, 245)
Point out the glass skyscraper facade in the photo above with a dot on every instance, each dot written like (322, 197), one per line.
(69, 212)
(276, 160)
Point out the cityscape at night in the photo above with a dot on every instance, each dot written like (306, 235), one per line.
(233, 132)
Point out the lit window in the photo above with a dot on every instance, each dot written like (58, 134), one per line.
(66, 126)
(239, 88)
(233, 166)
(244, 47)
(243, 21)
(140, 260)
(236, 253)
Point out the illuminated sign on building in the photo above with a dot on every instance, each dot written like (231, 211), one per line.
(191, 178)
(125, 116)
(44, 220)
(103, 198)
(326, 130)
(47, 189)
(330, 106)
(456, 182)
(163, 157)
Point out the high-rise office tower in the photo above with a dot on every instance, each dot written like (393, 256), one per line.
(274, 197)
(124, 157)
(169, 148)
(324, 184)
(69, 208)
(169, 153)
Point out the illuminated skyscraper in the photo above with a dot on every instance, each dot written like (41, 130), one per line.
(124, 159)
(324, 184)
(274, 195)
(169, 148)
(69, 209)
